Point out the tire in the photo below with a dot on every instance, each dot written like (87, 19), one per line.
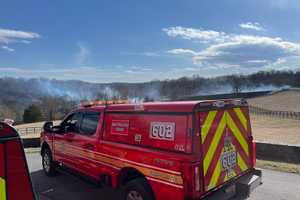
(138, 189)
(49, 165)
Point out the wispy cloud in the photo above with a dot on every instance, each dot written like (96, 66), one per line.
(252, 26)
(182, 52)
(6, 48)
(10, 36)
(82, 55)
(237, 50)
(193, 33)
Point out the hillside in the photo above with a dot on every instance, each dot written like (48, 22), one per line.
(288, 100)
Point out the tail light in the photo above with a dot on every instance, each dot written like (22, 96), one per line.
(192, 180)
(197, 179)
(254, 153)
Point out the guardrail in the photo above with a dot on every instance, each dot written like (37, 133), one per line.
(273, 113)
(29, 131)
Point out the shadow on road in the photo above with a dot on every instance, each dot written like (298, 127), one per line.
(67, 187)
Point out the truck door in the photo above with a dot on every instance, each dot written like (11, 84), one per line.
(15, 182)
(226, 141)
(85, 143)
(69, 128)
(2, 174)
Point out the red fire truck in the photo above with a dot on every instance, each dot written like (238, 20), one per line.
(159, 150)
(15, 182)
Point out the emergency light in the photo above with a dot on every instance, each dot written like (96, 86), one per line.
(99, 103)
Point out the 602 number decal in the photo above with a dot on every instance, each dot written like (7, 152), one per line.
(162, 130)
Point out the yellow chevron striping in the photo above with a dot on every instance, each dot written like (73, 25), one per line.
(214, 179)
(226, 178)
(241, 162)
(238, 135)
(214, 144)
(207, 124)
(242, 117)
(2, 189)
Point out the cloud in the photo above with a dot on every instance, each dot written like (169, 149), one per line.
(7, 48)
(10, 36)
(182, 52)
(82, 55)
(236, 51)
(197, 34)
(247, 51)
(252, 26)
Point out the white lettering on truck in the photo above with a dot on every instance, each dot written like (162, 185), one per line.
(162, 130)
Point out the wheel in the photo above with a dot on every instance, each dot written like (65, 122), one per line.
(48, 164)
(138, 189)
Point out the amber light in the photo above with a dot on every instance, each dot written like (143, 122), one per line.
(99, 103)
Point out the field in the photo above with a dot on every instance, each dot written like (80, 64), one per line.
(273, 129)
(279, 101)
(279, 131)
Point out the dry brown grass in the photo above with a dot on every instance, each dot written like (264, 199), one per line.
(279, 101)
(278, 166)
(273, 130)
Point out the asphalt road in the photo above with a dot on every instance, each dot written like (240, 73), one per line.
(276, 185)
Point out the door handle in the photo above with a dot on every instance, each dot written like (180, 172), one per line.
(89, 146)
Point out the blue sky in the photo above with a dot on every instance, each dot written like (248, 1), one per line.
(137, 41)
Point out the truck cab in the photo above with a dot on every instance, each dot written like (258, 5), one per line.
(159, 150)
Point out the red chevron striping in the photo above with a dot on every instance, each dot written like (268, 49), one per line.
(238, 123)
(215, 160)
(212, 131)
(221, 177)
(239, 148)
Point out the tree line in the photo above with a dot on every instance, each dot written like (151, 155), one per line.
(52, 99)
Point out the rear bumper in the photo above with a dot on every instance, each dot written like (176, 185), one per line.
(241, 187)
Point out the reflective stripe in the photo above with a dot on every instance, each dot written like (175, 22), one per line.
(2, 189)
(235, 122)
(207, 124)
(242, 117)
(214, 144)
(236, 132)
(215, 176)
(241, 163)
(118, 164)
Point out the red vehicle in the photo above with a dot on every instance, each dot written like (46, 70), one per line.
(162, 150)
(15, 182)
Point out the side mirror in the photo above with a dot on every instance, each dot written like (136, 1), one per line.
(48, 127)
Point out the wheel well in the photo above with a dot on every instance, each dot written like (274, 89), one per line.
(127, 174)
(44, 146)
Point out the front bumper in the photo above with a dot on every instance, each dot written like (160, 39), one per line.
(241, 187)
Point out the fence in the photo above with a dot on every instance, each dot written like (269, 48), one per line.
(29, 131)
(273, 113)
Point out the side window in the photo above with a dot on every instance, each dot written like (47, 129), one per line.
(72, 123)
(89, 123)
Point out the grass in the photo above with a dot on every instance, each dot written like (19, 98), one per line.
(279, 101)
(278, 166)
(273, 130)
